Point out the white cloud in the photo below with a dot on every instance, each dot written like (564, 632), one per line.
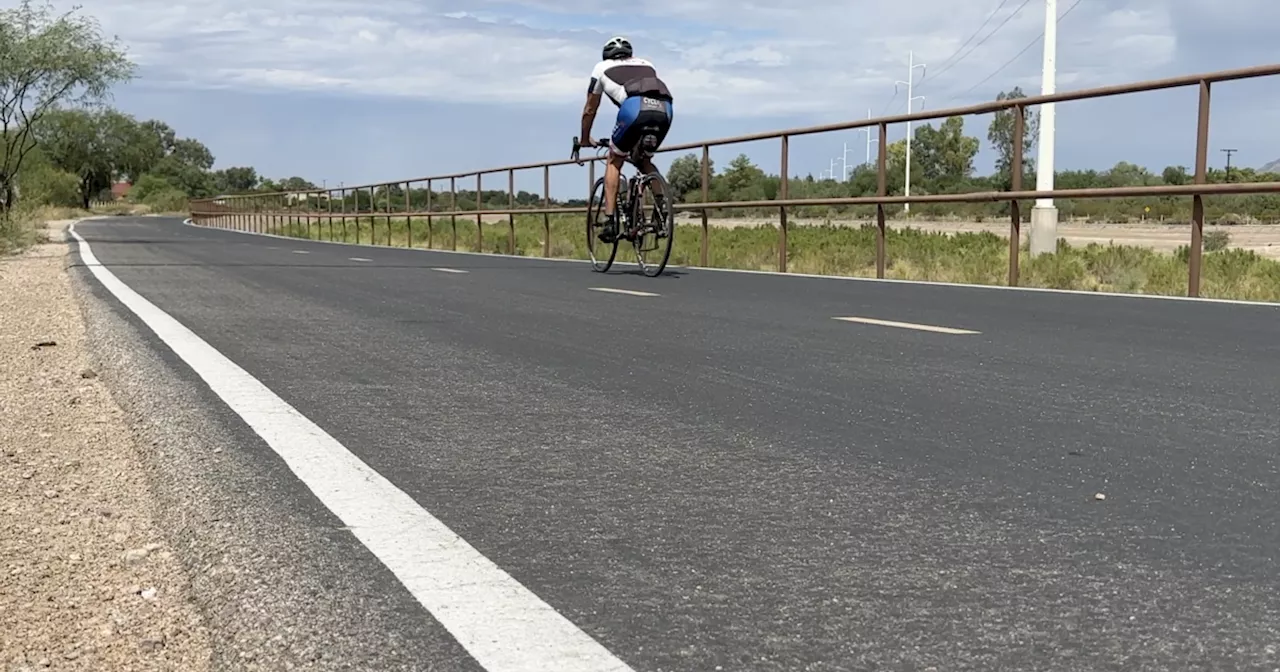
(767, 57)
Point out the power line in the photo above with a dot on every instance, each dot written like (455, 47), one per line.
(946, 62)
(1015, 57)
(1007, 19)
(890, 102)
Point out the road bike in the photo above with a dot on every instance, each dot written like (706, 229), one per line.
(630, 213)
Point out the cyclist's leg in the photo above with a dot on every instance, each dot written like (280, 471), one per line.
(619, 148)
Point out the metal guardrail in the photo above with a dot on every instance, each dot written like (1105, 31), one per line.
(247, 210)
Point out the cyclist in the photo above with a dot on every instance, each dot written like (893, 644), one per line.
(644, 109)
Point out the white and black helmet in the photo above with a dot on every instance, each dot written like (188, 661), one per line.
(617, 47)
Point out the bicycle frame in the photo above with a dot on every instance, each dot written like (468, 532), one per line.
(627, 212)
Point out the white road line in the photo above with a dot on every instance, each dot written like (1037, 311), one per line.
(301, 252)
(503, 625)
(621, 291)
(907, 325)
(450, 270)
(358, 259)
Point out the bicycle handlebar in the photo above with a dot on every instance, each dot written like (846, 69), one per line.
(602, 143)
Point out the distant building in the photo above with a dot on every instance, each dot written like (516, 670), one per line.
(119, 190)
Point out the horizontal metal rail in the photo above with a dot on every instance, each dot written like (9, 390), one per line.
(234, 209)
(969, 197)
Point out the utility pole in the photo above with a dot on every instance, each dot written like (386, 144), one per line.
(844, 163)
(1229, 153)
(911, 66)
(870, 140)
(1044, 216)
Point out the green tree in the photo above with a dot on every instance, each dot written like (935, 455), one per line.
(685, 176)
(235, 180)
(47, 60)
(72, 140)
(945, 154)
(1176, 175)
(96, 146)
(743, 181)
(148, 186)
(1000, 135)
(296, 183)
(186, 165)
(1125, 174)
(138, 148)
(192, 153)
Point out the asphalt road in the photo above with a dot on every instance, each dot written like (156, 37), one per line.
(724, 475)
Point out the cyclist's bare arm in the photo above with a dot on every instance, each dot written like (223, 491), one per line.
(589, 116)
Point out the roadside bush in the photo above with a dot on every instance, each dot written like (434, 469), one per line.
(42, 184)
(1216, 241)
(148, 185)
(166, 200)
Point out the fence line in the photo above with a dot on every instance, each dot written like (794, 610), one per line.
(256, 210)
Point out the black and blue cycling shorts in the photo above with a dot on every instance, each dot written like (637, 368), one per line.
(639, 116)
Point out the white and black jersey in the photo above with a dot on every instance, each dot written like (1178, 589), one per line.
(626, 77)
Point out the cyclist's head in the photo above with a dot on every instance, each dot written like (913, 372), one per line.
(615, 48)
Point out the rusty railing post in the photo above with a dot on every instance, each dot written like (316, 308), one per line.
(373, 217)
(343, 211)
(546, 216)
(387, 190)
(408, 214)
(479, 217)
(356, 211)
(706, 196)
(511, 217)
(1197, 201)
(782, 211)
(882, 190)
(328, 202)
(1015, 184)
(430, 223)
(453, 207)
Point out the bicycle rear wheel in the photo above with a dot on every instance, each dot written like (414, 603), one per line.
(596, 247)
(658, 233)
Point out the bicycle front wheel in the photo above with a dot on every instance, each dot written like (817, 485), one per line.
(597, 248)
(658, 233)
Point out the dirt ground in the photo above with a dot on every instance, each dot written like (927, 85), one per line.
(87, 581)
(1261, 238)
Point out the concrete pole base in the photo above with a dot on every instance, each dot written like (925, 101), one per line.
(1044, 230)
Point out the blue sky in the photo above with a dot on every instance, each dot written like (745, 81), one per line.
(357, 91)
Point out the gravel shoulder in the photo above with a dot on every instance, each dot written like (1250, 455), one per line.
(88, 579)
(280, 582)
